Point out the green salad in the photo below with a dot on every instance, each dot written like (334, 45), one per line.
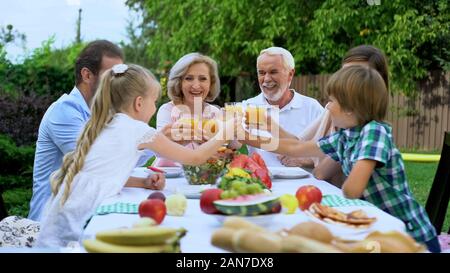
(208, 172)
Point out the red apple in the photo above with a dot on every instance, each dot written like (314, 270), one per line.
(153, 208)
(157, 195)
(307, 195)
(207, 198)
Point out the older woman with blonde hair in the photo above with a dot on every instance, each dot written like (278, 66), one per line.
(192, 85)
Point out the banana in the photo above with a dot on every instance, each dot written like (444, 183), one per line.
(140, 236)
(96, 246)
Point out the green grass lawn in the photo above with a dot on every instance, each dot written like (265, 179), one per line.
(420, 177)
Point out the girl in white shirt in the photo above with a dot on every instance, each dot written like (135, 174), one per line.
(108, 149)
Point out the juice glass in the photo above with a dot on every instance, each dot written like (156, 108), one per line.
(255, 114)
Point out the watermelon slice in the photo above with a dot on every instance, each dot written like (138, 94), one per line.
(248, 205)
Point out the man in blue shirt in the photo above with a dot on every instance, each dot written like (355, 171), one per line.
(65, 118)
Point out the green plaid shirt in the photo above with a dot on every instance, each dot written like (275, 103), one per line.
(388, 187)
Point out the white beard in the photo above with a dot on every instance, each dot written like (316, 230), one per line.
(273, 97)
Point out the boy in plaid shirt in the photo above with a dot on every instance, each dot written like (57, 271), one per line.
(365, 149)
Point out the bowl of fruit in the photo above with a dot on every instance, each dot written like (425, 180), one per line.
(211, 170)
(239, 194)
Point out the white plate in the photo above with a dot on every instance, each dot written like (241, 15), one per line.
(170, 172)
(341, 231)
(260, 220)
(193, 191)
(288, 172)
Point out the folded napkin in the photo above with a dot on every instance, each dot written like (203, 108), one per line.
(328, 200)
(332, 200)
(126, 208)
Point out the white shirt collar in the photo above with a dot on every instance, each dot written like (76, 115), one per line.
(296, 101)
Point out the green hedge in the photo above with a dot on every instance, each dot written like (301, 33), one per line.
(46, 71)
(17, 201)
(15, 160)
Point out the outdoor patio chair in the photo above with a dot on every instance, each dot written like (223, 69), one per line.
(3, 212)
(439, 196)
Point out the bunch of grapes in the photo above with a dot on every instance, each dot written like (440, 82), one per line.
(241, 188)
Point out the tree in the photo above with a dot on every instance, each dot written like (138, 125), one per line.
(10, 35)
(222, 29)
(414, 34)
(136, 49)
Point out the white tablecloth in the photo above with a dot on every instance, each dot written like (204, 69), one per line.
(200, 226)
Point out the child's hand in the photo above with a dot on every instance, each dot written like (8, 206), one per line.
(155, 181)
(167, 131)
(289, 161)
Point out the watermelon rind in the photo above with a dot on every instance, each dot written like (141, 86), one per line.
(260, 204)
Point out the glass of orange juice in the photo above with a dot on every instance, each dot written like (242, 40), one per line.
(255, 114)
(232, 109)
(209, 123)
(189, 122)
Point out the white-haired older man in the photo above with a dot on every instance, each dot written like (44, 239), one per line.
(276, 68)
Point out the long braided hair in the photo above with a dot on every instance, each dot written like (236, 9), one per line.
(115, 93)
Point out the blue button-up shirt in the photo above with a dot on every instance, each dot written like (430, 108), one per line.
(58, 132)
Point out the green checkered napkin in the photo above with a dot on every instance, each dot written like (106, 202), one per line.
(127, 208)
(332, 200)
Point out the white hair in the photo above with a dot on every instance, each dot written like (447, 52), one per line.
(288, 60)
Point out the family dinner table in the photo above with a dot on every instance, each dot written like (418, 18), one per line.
(200, 226)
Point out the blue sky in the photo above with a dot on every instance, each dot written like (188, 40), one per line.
(39, 19)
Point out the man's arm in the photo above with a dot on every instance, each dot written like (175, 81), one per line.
(285, 146)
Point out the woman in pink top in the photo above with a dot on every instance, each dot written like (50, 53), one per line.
(193, 83)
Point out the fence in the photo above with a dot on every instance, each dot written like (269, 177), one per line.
(420, 126)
